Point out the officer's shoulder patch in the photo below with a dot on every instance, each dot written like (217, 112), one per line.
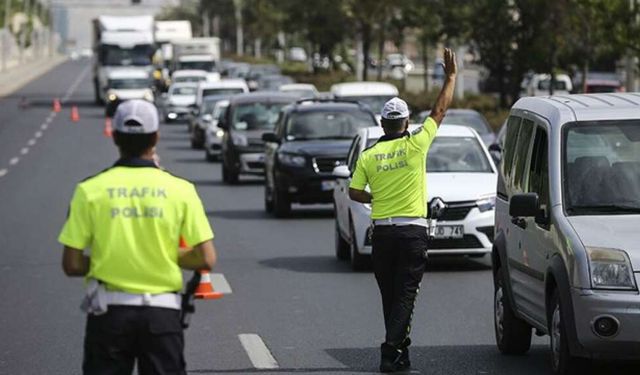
(417, 131)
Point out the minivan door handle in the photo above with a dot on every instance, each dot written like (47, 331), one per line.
(522, 223)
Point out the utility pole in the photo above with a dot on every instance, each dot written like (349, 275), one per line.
(239, 32)
(3, 38)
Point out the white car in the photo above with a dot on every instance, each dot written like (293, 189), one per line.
(213, 134)
(189, 75)
(460, 172)
(538, 85)
(179, 101)
(229, 86)
(373, 94)
(126, 84)
(304, 90)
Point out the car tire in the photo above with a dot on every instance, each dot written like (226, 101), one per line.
(281, 203)
(342, 246)
(228, 176)
(359, 262)
(562, 362)
(208, 156)
(513, 335)
(268, 199)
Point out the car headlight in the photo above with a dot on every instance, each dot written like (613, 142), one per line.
(220, 133)
(112, 97)
(148, 96)
(239, 139)
(486, 203)
(610, 269)
(292, 160)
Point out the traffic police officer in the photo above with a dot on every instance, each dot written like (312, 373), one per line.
(394, 169)
(131, 216)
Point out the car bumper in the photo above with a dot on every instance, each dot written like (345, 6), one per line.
(177, 113)
(477, 239)
(307, 187)
(624, 307)
(252, 163)
(213, 144)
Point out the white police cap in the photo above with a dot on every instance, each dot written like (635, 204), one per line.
(136, 117)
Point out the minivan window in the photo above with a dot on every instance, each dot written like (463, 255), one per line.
(254, 116)
(539, 168)
(602, 168)
(521, 154)
(513, 127)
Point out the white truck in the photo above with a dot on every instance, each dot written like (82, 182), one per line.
(166, 33)
(196, 53)
(121, 41)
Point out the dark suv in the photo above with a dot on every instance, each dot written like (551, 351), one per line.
(247, 118)
(311, 138)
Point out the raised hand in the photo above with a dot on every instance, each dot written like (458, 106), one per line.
(450, 66)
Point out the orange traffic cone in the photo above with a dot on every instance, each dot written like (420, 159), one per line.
(75, 115)
(56, 105)
(108, 132)
(205, 289)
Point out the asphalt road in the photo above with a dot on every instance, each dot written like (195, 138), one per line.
(288, 293)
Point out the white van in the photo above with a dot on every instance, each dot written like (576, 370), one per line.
(373, 94)
(222, 87)
(538, 85)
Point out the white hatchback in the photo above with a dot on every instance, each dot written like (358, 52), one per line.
(460, 172)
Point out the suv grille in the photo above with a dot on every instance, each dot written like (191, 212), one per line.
(469, 241)
(326, 165)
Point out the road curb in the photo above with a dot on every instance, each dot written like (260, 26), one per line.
(16, 78)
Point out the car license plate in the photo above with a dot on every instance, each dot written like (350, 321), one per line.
(449, 231)
(328, 185)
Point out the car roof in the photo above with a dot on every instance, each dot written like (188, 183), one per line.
(312, 105)
(215, 98)
(363, 88)
(224, 83)
(184, 84)
(189, 72)
(264, 96)
(127, 73)
(560, 109)
(443, 131)
(298, 86)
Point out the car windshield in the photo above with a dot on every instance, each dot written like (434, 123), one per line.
(117, 56)
(207, 66)
(183, 91)
(472, 120)
(327, 125)
(190, 79)
(136, 83)
(602, 167)
(559, 85)
(222, 91)
(209, 105)
(454, 154)
(375, 102)
(255, 116)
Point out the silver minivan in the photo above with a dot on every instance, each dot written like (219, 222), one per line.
(566, 255)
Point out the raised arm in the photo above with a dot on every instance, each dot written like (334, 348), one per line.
(446, 94)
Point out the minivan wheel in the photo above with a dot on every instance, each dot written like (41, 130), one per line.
(562, 362)
(358, 261)
(342, 246)
(228, 175)
(513, 335)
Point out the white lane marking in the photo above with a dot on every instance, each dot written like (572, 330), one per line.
(24, 151)
(220, 283)
(258, 353)
(38, 134)
(3, 172)
(14, 161)
(32, 142)
(75, 84)
(44, 126)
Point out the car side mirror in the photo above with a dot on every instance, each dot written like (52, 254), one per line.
(495, 147)
(207, 118)
(524, 205)
(270, 138)
(341, 171)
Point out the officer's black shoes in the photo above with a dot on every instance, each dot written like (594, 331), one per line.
(394, 359)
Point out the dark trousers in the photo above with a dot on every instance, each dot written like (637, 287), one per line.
(151, 335)
(399, 261)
